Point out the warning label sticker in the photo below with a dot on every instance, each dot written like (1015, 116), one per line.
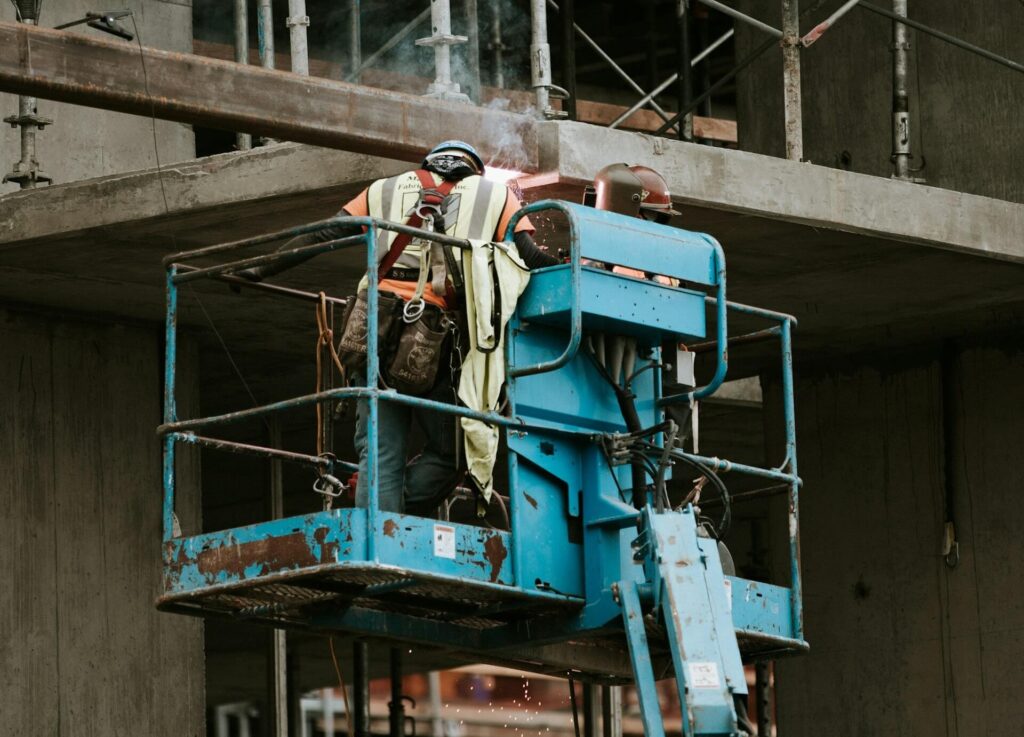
(704, 675)
(444, 541)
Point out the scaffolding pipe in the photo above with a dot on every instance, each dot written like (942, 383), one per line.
(387, 46)
(496, 46)
(611, 62)
(265, 32)
(540, 56)
(900, 98)
(721, 8)
(724, 80)
(762, 686)
(984, 53)
(672, 80)
(27, 172)
(791, 80)
(243, 141)
(567, 18)
(355, 39)
(434, 691)
(396, 707)
(442, 40)
(471, 11)
(683, 74)
(361, 688)
(298, 44)
(815, 33)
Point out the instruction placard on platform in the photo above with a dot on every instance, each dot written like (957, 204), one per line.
(704, 675)
(444, 541)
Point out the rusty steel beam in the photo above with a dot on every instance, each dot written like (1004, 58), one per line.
(76, 69)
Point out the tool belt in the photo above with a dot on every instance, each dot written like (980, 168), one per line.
(410, 351)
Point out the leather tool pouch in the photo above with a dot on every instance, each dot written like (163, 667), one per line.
(422, 348)
(354, 335)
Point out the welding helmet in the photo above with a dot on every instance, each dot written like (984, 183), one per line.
(460, 148)
(637, 191)
(655, 200)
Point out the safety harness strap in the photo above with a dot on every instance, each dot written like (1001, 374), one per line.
(431, 195)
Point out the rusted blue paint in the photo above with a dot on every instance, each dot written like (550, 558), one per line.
(170, 408)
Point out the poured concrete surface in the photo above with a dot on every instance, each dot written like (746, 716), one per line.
(82, 648)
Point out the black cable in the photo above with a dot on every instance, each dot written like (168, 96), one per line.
(663, 463)
(726, 519)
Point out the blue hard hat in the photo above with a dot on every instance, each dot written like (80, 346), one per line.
(457, 146)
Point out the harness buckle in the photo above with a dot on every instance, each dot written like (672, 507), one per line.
(413, 310)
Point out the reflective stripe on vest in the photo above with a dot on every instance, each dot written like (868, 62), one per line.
(474, 213)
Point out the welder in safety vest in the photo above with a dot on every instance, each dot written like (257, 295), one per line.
(424, 280)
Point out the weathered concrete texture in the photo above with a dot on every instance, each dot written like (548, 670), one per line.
(741, 182)
(901, 644)
(83, 650)
(965, 110)
(306, 183)
(86, 142)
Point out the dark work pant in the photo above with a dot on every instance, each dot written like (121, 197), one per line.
(415, 487)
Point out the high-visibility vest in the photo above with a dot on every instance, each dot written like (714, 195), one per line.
(474, 210)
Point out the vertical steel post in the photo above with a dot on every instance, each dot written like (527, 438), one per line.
(361, 683)
(704, 72)
(611, 711)
(372, 479)
(27, 172)
(170, 405)
(265, 32)
(684, 70)
(243, 141)
(278, 650)
(298, 43)
(496, 46)
(540, 56)
(789, 416)
(471, 11)
(900, 98)
(434, 690)
(762, 688)
(396, 709)
(355, 37)
(567, 18)
(591, 702)
(791, 98)
(442, 40)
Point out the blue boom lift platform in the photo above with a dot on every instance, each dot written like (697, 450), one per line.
(582, 562)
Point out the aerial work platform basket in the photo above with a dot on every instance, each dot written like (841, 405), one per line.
(582, 568)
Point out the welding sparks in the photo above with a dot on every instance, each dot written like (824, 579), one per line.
(502, 176)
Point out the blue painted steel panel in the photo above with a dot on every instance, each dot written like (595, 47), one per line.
(639, 244)
(444, 548)
(760, 607)
(575, 395)
(616, 304)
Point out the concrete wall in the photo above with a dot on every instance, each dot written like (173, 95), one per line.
(965, 110)
(83, 651)
(86, 142)
(901, 644)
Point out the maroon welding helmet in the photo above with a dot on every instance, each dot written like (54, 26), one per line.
(637, 191)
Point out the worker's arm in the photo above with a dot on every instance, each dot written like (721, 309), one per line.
(532, 255)
(330, 233)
